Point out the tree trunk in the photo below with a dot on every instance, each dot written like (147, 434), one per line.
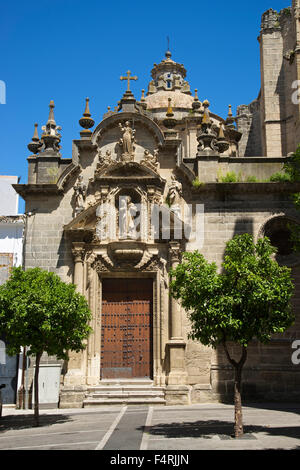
(238, 415)
(238, 367)
(36, 389)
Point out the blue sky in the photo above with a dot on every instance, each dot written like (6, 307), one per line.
(66, 50)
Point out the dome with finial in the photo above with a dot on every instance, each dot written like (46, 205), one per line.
(168, 80)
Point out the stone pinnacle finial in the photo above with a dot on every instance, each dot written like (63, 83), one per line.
(51, 119)
(35, 143)
(143, 102)
(169, 121)
(196, 103)
(51, 137)
(206, 117)
(230, 119)
(35, 137)
(168, 53)
(222, 143)
(169, 110)
(87, 108)
(221, 133)
(86, 121)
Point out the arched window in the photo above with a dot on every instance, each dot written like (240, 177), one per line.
(279, 231)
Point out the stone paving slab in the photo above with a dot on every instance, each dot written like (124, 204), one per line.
(182, 428)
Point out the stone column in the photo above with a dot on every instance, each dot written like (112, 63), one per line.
(78, 252)
(74, 380)
(177, 392)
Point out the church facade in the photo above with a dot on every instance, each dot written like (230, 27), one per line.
(149, 182)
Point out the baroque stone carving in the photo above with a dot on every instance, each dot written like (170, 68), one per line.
(174, 196)
(104, 159)
(175, 191)
(127, 142)
(174, 252)
(80, 195)
(151, 161)
(101, 263)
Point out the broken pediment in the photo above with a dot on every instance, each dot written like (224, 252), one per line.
(130, 170)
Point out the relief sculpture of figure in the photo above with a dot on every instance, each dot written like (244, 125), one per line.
(105, 159)
(127, 142)
(80, 195)
(174, 196)
(175, 191)
(151, 160)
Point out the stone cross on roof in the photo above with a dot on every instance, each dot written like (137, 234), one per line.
(128, 78)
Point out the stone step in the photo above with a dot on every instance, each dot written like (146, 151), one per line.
(125, 388)
(89, 402)
(122, 382)
(124, 394)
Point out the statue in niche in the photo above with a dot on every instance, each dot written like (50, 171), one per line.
(80, 195)
(127, 142)
(127, 214)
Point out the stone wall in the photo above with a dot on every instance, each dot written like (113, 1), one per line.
(248, 121)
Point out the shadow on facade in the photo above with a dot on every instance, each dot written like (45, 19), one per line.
(254, 142)
(282, 107)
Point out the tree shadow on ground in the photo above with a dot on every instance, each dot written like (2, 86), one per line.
(224, 429)
(274, 406)
(26, 421)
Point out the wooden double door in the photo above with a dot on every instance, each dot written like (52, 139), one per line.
(126, 328)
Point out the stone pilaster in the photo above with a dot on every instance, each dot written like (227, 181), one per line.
(77, 361)
(176, 344)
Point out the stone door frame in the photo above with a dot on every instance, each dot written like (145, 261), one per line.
(90, 267)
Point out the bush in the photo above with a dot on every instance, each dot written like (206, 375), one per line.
(230, 177)
(280, 177)
(197, 183)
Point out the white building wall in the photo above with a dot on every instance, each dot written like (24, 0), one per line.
(11, 240)
(9, 199)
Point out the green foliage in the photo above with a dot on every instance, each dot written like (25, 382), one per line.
(230, 177)
(280, 177)
(292, 166)
(292, 171)
(249, 299)
(197, 183)
(38, 310)
(286, 12)
(251, 179)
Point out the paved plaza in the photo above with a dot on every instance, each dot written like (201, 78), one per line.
(196, 427)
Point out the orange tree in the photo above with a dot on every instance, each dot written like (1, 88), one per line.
(39, 310)
(249, 299)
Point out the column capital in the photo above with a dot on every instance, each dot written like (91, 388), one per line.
(78, 251)
(174, 252)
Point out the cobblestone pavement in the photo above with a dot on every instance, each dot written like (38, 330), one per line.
(180, 428)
